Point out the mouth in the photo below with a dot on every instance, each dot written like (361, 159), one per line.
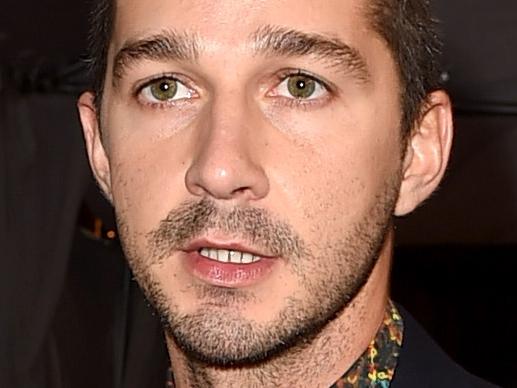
(232, 265)
(229, 256)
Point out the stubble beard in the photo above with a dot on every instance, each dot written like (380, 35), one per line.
(221, 337)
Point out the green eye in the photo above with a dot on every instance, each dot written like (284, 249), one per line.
(301, 86)
(164, 89)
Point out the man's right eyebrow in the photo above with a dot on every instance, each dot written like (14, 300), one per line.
(165, 46)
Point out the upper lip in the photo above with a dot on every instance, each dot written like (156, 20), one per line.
(200, 243)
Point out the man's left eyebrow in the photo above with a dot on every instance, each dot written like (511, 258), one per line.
(164, 46)
(278, 41)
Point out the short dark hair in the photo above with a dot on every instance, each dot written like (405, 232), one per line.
(406, 26)
(411, 35)
(102, 20)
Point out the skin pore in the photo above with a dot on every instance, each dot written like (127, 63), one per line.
(276, 134)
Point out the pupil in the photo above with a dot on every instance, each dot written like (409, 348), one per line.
(301, 87)
(164, 87)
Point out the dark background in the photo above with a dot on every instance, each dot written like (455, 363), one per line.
(70, 316)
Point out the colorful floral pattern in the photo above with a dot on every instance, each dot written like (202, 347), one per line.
(376, 367)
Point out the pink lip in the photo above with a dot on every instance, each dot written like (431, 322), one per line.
(226, 274)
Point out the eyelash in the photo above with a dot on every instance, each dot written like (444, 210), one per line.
(280, 78)
(162, 105)
(298, 102)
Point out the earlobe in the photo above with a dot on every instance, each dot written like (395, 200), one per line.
(427, 153)
(97, 154)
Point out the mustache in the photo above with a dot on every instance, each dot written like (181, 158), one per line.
(194, 218)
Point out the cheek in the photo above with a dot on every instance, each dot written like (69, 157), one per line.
(335, 172)
(147, 163)
(144, 186)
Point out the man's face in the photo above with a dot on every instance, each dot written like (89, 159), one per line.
(259, 132)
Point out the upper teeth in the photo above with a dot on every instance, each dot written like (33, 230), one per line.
(226, 256)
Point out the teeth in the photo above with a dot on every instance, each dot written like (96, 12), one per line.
(226, 256)
(223, 255)
(247, 258)
(235, 257)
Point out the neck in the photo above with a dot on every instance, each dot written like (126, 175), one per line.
(331, 353)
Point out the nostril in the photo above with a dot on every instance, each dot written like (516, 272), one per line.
(241, 190)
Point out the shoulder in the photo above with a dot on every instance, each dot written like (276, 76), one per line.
(423, 364)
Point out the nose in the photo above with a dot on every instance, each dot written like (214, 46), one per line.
(227, 163)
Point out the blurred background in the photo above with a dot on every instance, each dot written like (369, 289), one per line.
(70, 315)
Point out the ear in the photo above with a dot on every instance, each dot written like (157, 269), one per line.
(97, 154)
(427, 153)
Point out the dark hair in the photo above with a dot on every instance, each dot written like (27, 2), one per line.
(102, 20)
(406, 26)
(410, 33)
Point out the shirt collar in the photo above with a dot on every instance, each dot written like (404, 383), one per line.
(376, 366)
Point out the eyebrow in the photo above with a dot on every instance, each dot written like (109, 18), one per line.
(268, 41)
(167, 45)
(278, 41)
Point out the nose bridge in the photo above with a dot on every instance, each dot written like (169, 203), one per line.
(227, 164)
(229, 119)
(226, 131)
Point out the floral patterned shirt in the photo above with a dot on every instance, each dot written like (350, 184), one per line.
(376, 366)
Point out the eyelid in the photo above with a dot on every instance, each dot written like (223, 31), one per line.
(140, 86)
(331, 92)
(283, 75)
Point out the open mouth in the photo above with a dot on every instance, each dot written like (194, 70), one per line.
(228, 264)
(229, 256)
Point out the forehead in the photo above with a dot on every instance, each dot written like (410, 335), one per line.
(230, 22)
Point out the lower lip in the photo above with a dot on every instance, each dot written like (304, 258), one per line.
(228, 274)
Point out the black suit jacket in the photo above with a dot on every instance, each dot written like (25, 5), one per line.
(422, 364)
